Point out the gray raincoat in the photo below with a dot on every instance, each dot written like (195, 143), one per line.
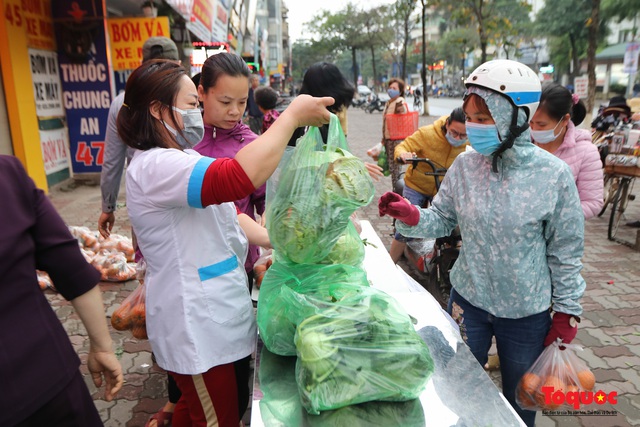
(522, 228)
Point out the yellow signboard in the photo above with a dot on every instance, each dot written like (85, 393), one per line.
(127, 35)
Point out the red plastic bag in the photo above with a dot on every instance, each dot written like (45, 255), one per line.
(559, 379)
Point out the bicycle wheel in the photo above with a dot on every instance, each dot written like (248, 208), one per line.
(618, 207)
(439, 284)
(611, 183)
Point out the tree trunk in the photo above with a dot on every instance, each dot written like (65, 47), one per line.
(373, 65)
(355, 66)
(481, 34)
(591, 56)
(423, 72)
(404, 51)
(575, 60)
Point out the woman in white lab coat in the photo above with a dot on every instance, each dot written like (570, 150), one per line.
(198, 309)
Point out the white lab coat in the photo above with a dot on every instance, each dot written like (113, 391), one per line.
(199, 311)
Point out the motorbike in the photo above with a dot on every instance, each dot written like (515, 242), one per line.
(432, 260)
(374, 104)
(359, 102)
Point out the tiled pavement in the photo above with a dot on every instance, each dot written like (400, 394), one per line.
(610, 327)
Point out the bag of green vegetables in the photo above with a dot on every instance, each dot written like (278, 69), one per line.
(292, 292)
(318, 189)
(363, 348)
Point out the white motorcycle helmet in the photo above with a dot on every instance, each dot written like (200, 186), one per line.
(511, 78)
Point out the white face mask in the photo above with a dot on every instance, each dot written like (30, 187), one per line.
(193, 130)
(545, 136)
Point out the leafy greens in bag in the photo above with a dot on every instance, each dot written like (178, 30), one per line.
(318, 189)
(364, 348)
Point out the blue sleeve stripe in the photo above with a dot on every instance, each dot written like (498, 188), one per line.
(521, 98)
(218, 269)
(194, 189)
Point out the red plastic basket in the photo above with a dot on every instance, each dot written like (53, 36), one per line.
(401, 126)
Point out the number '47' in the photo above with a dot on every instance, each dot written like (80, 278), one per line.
(84, 155)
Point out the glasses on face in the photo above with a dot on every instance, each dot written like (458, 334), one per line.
(457, 135)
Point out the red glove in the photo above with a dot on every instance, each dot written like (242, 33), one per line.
(398, 207)
(564, 326)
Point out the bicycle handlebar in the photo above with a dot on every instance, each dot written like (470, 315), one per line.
(437, 168)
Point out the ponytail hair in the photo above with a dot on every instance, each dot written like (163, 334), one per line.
(222, 64)
(557, 101)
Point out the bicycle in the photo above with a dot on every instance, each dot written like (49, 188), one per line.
(611, 185)
(619, 203)
(433, 261)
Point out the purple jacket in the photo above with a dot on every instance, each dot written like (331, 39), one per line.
(583, 158)
(226, 143)
(37, 359)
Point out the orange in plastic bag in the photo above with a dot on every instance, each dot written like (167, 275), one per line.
(559, 379)
(132, 314)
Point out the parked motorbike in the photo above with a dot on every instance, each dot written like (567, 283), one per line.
(375, 104)
(359, 102)
(432, 260)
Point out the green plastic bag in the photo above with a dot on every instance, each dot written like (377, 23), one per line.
(383, 161)
(292, 292)
(318, 189)
(349, 249)
(363, 348)
(280, 404)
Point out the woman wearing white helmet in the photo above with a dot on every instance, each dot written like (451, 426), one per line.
(521, 222)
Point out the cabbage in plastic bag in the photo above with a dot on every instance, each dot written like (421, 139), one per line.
(365, 348)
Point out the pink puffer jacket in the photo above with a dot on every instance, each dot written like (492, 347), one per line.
(583, 158)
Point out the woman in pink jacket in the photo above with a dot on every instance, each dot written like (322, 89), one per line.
(553, 128)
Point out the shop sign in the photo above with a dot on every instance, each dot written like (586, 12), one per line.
(54, 150)
(127, 35)
(86, 80)
(220, 22)
(35, 17)
(47, 88)
(183, 7)
(200, 21)
(581, 86)
(631, 58)
(202, 12)
(120, 80)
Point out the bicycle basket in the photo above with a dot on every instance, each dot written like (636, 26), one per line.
(401, 126)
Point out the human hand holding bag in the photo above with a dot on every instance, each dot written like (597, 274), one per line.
(398, 207)
(564, 326)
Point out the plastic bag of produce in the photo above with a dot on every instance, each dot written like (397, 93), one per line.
(44, 281)
(558, 379)
(318, 189)
(131, 315)
(113, 266)
(364, 348)
(280, 404)
(119, 243)
(292, 292)
(88, 239)
(348, 249)
(261, 266)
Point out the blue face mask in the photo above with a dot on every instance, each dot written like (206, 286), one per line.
(454, 142)
(393, 93)
(483, 138)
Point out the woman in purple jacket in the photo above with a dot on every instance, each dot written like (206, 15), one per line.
(223, 91)
(553, 128)
(39, 373)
